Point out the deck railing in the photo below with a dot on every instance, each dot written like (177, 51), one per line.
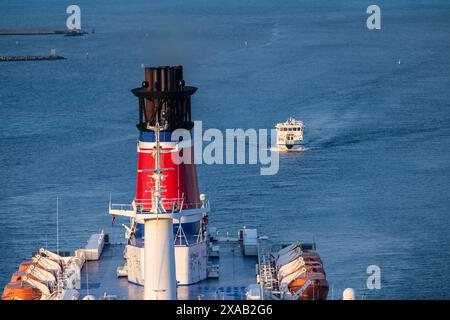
(173, 204)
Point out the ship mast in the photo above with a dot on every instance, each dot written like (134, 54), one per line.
(159, 252)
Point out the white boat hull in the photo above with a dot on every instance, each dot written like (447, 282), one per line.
(290, 148)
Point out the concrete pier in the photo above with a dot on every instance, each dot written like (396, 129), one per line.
(29, 58)
(24, 32)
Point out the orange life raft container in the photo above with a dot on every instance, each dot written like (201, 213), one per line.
(20, 290)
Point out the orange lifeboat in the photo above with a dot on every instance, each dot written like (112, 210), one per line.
(28, 262)
(25, 264)
(18, 275)
(311, 256)
(20, 290)
(310, 268)
(307, 271)
(318, 290)
(314, 269)
(17, 289)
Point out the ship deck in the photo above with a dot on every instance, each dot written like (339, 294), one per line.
(236, 272)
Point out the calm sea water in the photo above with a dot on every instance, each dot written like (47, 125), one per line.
(372, 188)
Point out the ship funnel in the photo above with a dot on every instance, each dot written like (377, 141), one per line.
(165, 99)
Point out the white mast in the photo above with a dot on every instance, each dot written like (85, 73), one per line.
(159, 253)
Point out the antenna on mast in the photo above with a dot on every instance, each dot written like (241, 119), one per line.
(157, 176)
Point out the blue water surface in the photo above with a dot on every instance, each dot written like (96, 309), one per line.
(372, 188)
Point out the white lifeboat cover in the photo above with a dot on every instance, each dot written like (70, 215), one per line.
(291, 277)
(288, 248)
(288, 257)
(47, 264)
(41, 274)
(290, 267)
